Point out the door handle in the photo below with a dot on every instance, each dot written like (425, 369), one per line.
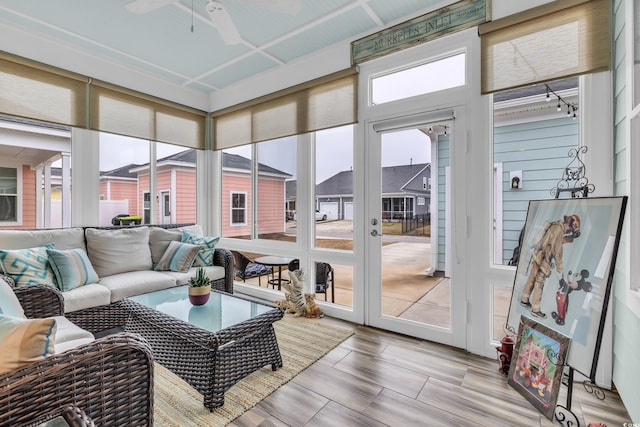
(375, 233)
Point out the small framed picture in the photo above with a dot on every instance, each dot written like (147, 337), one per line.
(539, 357)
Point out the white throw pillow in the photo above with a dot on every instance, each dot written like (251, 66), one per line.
(9, 303)
(118, 251)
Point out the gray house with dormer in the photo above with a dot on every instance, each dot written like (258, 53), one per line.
(406, 192)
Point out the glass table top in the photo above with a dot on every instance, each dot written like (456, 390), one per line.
(221, 311)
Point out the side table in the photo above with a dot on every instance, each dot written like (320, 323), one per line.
(275, 261)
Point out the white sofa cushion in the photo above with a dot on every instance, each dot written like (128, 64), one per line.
(87, 296)
(69, 335)
(64, 238)
(159, 240)
(119, 251)
(71, 344)
(213, 272)
(135, 283)
(193, 229)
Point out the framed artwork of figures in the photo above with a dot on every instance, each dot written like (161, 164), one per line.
(537, 365)
(565, 271)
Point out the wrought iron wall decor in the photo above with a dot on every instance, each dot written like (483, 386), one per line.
(574, 177)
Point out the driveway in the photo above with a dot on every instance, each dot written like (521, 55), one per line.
(342, 229)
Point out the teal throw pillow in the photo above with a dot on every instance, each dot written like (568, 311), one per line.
(207, 247)
(178, 257)
(72, 268)
(28, 266)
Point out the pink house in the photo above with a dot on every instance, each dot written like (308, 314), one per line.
(176, 192)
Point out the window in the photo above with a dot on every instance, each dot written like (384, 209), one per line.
(276, 164)
(334, 196)
(8, 194)
(122, 175)
(532, 139)
(632, 82)
(238, 208)
(125, 180)
(146, 208)
(425, 78)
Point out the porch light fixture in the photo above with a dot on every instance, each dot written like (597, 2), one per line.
(571, 108)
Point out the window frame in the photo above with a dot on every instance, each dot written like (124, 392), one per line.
(146, 209)
(632, 117)
(17, 195)
(232, 209)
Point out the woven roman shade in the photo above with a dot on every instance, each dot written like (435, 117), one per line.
(559, 39)
(122, 111)
(37, 91)
(319, 104)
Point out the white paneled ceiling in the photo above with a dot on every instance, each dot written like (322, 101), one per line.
(161, 44)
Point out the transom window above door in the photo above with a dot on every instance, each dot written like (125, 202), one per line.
(433, 76)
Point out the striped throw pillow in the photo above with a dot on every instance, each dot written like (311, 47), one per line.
(178, 257)
(72, 268)
(207, 247)
(24, 341)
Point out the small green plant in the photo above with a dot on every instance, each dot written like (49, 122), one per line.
(200, 279)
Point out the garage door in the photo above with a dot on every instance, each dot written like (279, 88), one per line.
(348, 211)
(330, 208)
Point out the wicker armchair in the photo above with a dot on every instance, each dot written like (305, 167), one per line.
(109, 379)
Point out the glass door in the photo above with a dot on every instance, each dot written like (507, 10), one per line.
(165, 208)
(410, 286)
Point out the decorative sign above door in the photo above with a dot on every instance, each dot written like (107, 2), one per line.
(455, 17)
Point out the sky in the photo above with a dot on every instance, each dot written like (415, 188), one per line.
(334, 151)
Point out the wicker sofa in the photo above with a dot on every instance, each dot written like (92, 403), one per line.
(96, 306)
(109, 379)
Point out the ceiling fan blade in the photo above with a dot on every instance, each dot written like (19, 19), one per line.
(223, 23)
(144, 6)
(289, 7)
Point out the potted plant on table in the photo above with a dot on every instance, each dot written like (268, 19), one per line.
(199, 288)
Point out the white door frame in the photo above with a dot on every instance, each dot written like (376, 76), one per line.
(456, 334)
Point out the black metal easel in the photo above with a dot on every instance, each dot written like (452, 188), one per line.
(575, 182)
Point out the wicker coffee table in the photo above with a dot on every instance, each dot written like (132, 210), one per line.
(212, 346)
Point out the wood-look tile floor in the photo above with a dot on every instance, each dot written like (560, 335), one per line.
(378, 378)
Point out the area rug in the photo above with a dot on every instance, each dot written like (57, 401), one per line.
(302, 342)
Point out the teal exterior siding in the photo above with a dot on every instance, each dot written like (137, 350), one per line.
(626, 345)
(540, 150)
(444, 161)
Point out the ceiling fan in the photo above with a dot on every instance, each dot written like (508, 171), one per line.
(219, 15)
